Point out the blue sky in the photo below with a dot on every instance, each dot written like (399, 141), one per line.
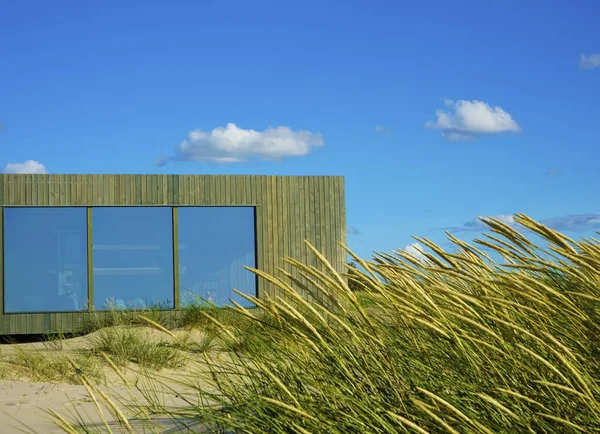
(436, 112)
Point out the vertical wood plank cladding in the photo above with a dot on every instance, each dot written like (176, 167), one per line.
(288, 211)
(70, 183)
(22, 190)
(328, 249)
(203, 191)
(165, 190)
(5, 189)
(75, 190)
(126, 191)
(341, 224)
(51, 192)
(133, 185)
(29, 190)
(301, 219)
(286, 224)
(143, 190)
(76, 193)
(42, 190)
(175, 196)
(58, 190)
(47, 187)
(212, 192)
(192, 188)
(291, 246)
(293, 216)
(319, 205)
(16, 192)
(279, 236)
(204, 186)
(21, 324)
(62, 190)
(182, 189)
(236, 195)
(335, 221)
(155, 196)
(247, 183)
(98, 189)
(169, 191)
(109, 199)
(322, 211)
(270, 223)
(237, 190)
(224, 192)
(212, 189)
(220, 191)
(11, 190)
(329, 206)
(90, 198)
(65, 189)
(137, 189)
(228, 189)
(313, 217)
(339, 261)
(119, 190)
(215, 191)
(159, 189)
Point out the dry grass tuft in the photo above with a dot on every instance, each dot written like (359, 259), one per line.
(458, 344)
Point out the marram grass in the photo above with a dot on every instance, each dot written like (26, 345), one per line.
(454, 343)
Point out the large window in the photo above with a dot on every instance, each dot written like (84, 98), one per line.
(45, 260)
(132, 257)
(215, 243)
(46, 257)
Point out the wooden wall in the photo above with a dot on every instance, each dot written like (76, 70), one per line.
(290, 209)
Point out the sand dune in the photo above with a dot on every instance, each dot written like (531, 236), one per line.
(23, 402)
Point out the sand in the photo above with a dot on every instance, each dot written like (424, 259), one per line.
(26, 402)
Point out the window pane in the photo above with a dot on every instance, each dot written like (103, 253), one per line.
(214, 245)
(45, 259)
(133, 257)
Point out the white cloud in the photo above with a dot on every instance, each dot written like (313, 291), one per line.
(29, 166)
(380, 129)
(232, 144)
(589, 61)
(416, 250)
(466, 120)
(477, 225)
(555, 171)
(353, 230)
(572, 222)
(508, 219)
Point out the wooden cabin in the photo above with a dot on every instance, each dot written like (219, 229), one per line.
(72, 244)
